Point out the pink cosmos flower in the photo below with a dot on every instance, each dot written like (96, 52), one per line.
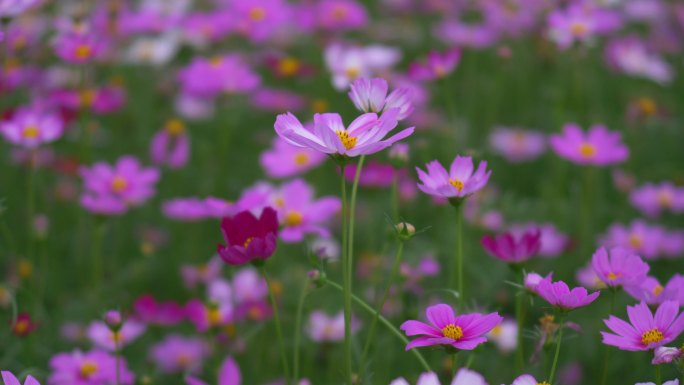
(228, 374)
(644, 330)
(208, 78)
(559, 295)
(185, 209)
(513, 249)
(553, 242)
(532, 280)
(179, 354)
(631, 55)
(259, 20)
(9, 379)
(203, 273)
(300, 214)
(348, 63)
(526, 379)
(95, 367)
(598, 146)
(580, 22)
(653, 199)
(340, 15)
(148, 310)
(459, 182)
(80, 46)
(517, 145)
(620, 267)
(666, 355)
(171, 145)
(364, 136)
(249, 239)
(103, 337)
(436, 65)
(467, 33)
(652, 292)
(206, 316)
(99, 100)
(464, 376)
(640, 237)
(370, 95)
(13, 8)
(112, 189)
(464, 332)
(284, 160)
(324, 328)
(31, 127)
(587, 277)
(249, 286)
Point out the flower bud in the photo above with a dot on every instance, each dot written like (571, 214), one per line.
(114, 320)
(405, 230)
(665, 355)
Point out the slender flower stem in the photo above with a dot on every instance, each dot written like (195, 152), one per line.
(31, 206)
(520, 320)
(454, 364)
(395, 196)
(586, 230)
(459, 253)
(279, 329)
(96, 252)
(346, 293)
(607, 350)
(298, 331)
(117, 363)
(558, 346)
(381, 305)
(387, 324)
(659, 378)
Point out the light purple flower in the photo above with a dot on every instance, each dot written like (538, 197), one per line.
(208, 78)
(436, 65)
(228, 374)
(526, 379)
(598, 146)
(653, 293)
(464, 376)
(103, 337)
(642, 238)
(95, 367)
(31, 127)
(517, 145)
(653, 199)
(284, 160)
(532, 280)
(13, 8)
(464, 332)
(579, 22)
(176, 353)
(348, 63)
(644, 330)
(620, 267)
(340, 15)
(671, 382)
(559, 295)
(631, 55)
(277, 100)
(171, 145)
(511, 248)
(459, 182)
(370, 95)
(204, 273)
(324, 328)
(364, 136)
(80, 46)
(666, 355)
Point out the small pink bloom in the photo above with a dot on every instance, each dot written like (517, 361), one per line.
(513, 249)
(459, 182)
(598, 146)
(95, 367)
(644, 330)
(653, 199)
(517, 145)
(436, 65)
(177, 353)
(620, 267)
(559, 295)
(323, 328)
(171, 145)
(31, 127)
(103, 337)
(148, 310)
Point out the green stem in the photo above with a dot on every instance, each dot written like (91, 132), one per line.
(520, 319)
(454, 364)
(558, 346)
(387, 324)
(459, 253)
(117, 364)
(586, 229)
(346, 293)
(279, 329)
(31, 207)
(378, 310)
(659, 378)
(96, 252)
(607, 350)
(298, 331)
(395, 196)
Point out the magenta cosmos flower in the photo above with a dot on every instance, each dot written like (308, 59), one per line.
(9, 379)
(553, 242)
(95, 367)
(459, 182)
(370, 95)
(250, 239)
(170, 146)
(228, 374)
(620, 267)
(29, 128)
(364, 136)
(644, 330)
(79, 46)
(463, 332)
(284, 160)
(179, 354)
(112, 189)
(436, 65)
(513, 249)
(598, 146)
(560, 296)
(653, 199)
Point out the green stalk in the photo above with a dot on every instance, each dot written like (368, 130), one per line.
(117, 364)
(459, 253)
(378, 310)
(346, 293)
(96, 252)
(31, 207)
(659, 378)
(607, 350)
(395, 196)
(558, 346)
(387, 324)
(520, 319)
(298, 330)
(279, 330)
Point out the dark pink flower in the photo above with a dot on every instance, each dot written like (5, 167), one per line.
(513, 249)
(249, 239)
(559, 295)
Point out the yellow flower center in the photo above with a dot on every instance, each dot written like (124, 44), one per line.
(279, 202)
(301, 159)
(457, 183)
(87, 97)
(613, 276)
(116, 337)
(88, 368)
(543, 383)
(83, 51)
(664, 198)
(453, 332)
(21, 327)
(347, 141)
(257, 14)
(578, 29)
(319, 106)
(657, 290)
(31, 132)
(216, 61)
(352, 72)
(119, 184)
(247, 242)
(288, 66)
(294, 218)
(647, 106)
(651, 336)
(635, 241)
(340, 12)
(175, 127)
(213, 315)
(587, 150)
(25, 269)
(496, 331)
(183, 360)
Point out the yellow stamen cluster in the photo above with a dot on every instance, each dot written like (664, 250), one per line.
(247, 242)
(352, 72)
(119, 184)
(87, 98)
(613, 276)
(340, 12)
(496, 331)
(635, 241)
(578, 29)
(657, 290)
(293, 218)
(116, 337)
(83, 51)
(88, 368)
(257, 14)
(21, 327)
(651, 336)
(31, 132)
(587, 150)
(347, 141)
(457, 183)
(213, 315)
(175, 127)
(288, 66)
(301, 159)
(664, 198)
(452, 331)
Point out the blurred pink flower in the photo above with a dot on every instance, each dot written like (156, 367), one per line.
(348, 63)
(179, 354)
(95, 367)
(323, 328)
(148, 310)
(284, 160)
(228, 374)
(103, 337)
(653, 199)
(598, 146)
(436, 65)
(517, 145)
(511, 248)
(171, 145)
(30, 127)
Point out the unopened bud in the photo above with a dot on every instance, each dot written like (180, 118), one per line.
(405, 230)
(114, 320)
